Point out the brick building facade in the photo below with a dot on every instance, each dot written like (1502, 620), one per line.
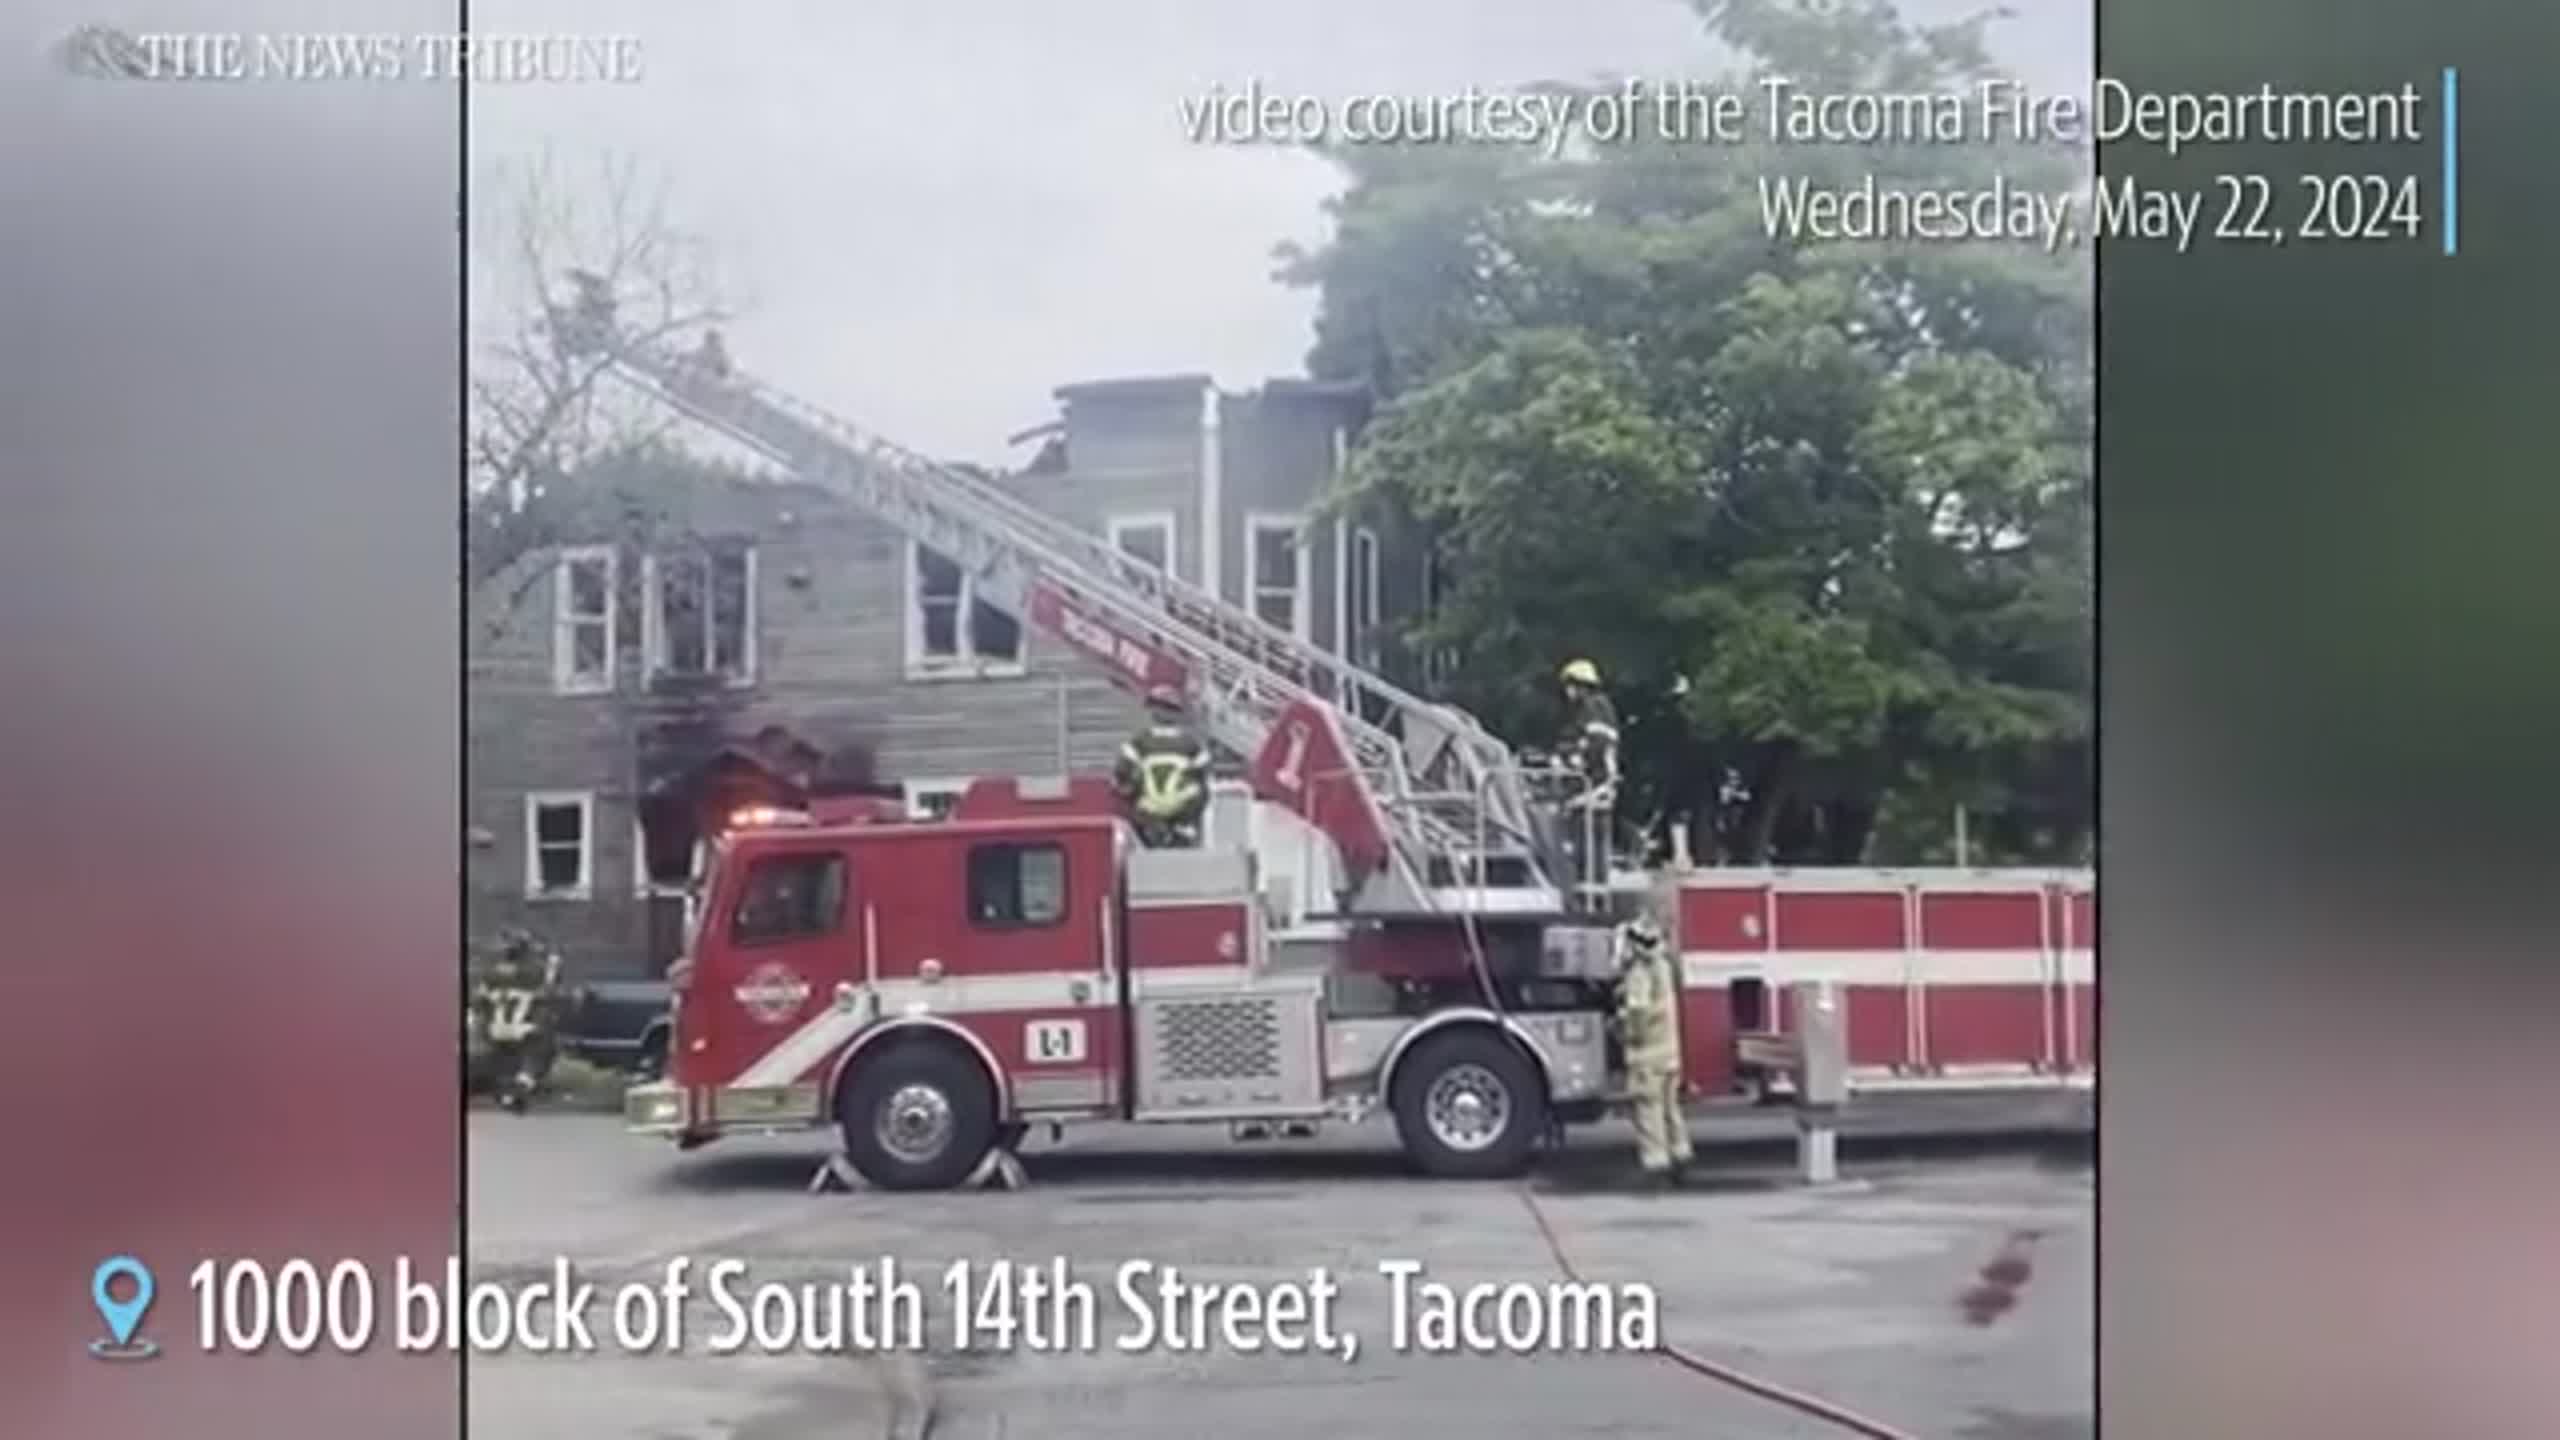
(626, 686)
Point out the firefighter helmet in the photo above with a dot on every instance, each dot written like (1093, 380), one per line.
(1642, 934)
(1580, 672)
(1164, 699)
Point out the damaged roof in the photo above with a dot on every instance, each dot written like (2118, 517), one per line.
(1135, 387)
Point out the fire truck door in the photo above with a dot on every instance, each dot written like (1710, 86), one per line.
(1021, 956)
(783, 954)
(1115, 949)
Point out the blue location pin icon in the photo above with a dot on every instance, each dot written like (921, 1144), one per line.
(124, 1316)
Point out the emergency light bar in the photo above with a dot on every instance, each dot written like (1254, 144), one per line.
(756, 816)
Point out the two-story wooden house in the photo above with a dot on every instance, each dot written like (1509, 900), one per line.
(729, 640)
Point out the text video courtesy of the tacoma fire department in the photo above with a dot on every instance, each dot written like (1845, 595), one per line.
(1369, 718)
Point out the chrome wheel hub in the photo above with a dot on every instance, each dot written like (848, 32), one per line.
(1468, 1108)
(915, 1124)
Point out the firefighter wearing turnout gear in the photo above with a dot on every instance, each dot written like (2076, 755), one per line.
(1589, 745)
(1163, 775)
(1649, 1030)
(512, 1023)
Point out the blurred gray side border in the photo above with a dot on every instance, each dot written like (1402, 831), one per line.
(230, 485)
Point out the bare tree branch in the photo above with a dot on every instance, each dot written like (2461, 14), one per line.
(539, 412)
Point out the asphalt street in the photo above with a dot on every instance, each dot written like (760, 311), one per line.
(1866, 1293)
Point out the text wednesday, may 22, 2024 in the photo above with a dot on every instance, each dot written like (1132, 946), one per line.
(1894, 193)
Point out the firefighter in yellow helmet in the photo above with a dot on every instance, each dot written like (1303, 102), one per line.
(1649, 1031)
(1589, 745)
(1163, 775)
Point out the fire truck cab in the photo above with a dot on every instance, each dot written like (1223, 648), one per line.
(932, 989)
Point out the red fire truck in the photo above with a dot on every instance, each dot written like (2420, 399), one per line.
(1390, 911)
(933, 989)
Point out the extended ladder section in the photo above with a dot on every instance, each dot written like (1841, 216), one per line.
(1432, 813)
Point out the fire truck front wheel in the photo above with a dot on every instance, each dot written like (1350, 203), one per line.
(1469, 1105)
(918, 1116)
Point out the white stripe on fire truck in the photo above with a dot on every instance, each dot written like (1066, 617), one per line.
(1888, 967)
(1157, 979)
(814, 1042)
(802, 1049)
(1932, 882)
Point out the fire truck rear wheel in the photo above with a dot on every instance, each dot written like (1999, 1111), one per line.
(1469, 1105)
(917, 1117)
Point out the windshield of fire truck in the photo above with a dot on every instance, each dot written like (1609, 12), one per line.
(707, 857)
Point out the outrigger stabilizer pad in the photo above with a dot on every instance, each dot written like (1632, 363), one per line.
(836, 1174)
(1001, 1169)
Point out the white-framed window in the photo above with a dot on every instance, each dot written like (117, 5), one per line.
(1275, 572)
(582, 620)
(1365, 593)
(665, 864)
(949, 630)
(933, 799)
(559, 845)
(1147, 537)
(698, 615)
(1438, 665)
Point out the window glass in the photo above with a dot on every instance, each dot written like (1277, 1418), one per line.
(589, 581)
(1017, 885)
(1275, 575)
(790, 897)
(582, 640)
(559, 846)
(949, 624)
(1149, 542)
(993, 634)
(932, 802)
(1275, 556)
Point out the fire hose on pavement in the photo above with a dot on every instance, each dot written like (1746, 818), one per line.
(1809, 1405)
(1796, 1400)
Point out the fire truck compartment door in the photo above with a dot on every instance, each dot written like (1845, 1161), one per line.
(1246, 1052)
(1166, 875)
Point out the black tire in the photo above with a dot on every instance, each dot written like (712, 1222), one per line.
(1448, 1070)
(937, 1097)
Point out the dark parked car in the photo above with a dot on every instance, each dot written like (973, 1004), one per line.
(622, 1025)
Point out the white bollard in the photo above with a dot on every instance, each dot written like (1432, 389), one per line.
(1822, 1078)
(1817, 1148)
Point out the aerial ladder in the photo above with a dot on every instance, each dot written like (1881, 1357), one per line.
(1430, 813)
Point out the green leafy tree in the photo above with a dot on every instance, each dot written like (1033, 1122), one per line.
(1820, 512)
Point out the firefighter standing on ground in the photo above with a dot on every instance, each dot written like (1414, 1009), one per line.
(1163, 775)
(1649, 1029)
(1590, 745)
(514, 1012)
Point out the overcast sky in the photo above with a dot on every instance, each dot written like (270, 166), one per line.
(932, 212)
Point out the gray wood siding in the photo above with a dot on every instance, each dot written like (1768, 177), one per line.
(1129, 457)
(830, 638)
(831, 645)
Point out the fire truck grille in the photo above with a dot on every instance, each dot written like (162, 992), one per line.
(1219, 1040)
